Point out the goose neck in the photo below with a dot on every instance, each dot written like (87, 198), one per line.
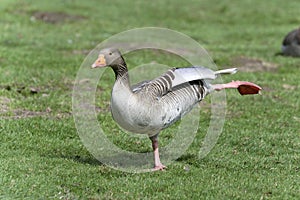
(121, 74)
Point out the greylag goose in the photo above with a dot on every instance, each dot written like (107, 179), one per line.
(153, 105)
(291, 43)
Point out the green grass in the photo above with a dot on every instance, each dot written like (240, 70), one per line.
(42, 157)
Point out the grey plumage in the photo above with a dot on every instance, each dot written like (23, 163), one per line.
(154, 105)
(291, 43)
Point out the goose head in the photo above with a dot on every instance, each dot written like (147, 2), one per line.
(109, 57)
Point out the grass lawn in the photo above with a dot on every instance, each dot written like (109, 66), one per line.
(42, 45)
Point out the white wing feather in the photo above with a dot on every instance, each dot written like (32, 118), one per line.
(184, 75)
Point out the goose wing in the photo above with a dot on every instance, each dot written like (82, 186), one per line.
(184, 75)
(178, 76)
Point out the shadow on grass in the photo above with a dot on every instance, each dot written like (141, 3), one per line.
(186, 158)
(190, 158)
(84, 160)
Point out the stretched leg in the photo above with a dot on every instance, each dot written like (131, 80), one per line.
(157, 163)
(243, 87)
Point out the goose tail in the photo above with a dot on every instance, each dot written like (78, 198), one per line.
(226, 71)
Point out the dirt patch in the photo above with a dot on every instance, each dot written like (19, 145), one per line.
(55, 17)
(289, 87)
(20, 114)
(21, 89)
(253, 65)
(6, 112)
(4, 104)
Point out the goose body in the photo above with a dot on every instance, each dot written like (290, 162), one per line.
(162, 105)
(151, 106)
(291, 43)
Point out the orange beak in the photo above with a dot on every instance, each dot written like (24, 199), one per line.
(100, 62)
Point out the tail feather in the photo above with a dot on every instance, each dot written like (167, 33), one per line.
(226, 71)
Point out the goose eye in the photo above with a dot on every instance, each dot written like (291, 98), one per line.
(110, 53)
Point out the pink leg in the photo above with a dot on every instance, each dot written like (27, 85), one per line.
(157, 163)
(243, 87)
(232, 84)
